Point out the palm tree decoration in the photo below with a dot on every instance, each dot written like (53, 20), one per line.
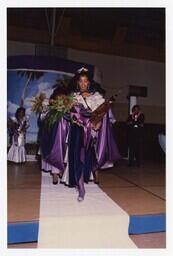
(31, 76)
(37, 103)
(64, 82)
(56, 108)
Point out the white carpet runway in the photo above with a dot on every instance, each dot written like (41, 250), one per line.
(97, 222)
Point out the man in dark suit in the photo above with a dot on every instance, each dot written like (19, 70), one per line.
(135, 135)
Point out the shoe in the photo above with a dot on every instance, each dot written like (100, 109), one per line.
(81, 195)
(60, 175)
(55, 179)
(96, 177)
(80, 198)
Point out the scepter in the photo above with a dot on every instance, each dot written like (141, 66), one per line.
(98, 114)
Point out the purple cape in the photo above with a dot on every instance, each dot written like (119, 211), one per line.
(106, 148)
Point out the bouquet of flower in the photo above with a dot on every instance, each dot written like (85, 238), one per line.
(56, 108)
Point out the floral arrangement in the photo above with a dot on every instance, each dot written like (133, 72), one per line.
(56, 108)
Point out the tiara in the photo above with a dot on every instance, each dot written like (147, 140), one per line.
(82, 69)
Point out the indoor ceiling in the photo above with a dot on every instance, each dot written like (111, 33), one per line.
(138, 26)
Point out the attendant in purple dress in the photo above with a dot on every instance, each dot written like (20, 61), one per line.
(53, 141)
(18, 126)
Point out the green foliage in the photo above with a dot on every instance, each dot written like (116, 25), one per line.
(57, 109)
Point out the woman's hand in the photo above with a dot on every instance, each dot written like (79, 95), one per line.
(97, 126)
(86, 94)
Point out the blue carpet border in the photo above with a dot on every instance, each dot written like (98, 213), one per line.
(143, 224)
(23, 232)
(27, 232)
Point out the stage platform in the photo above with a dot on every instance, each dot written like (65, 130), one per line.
(138, 191)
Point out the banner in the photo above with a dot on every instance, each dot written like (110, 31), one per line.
(27, 77)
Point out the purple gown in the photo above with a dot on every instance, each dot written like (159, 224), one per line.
(102, 145)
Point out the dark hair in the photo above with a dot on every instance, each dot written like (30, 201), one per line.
(94, 86)
(83, 73)
(18, 111)
(135, 106)
(59, 91)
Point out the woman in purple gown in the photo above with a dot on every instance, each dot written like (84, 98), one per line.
(89, 148)
(75, 147)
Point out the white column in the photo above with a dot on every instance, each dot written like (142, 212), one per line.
(133, 101)
(53, 26)
(97, 75)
